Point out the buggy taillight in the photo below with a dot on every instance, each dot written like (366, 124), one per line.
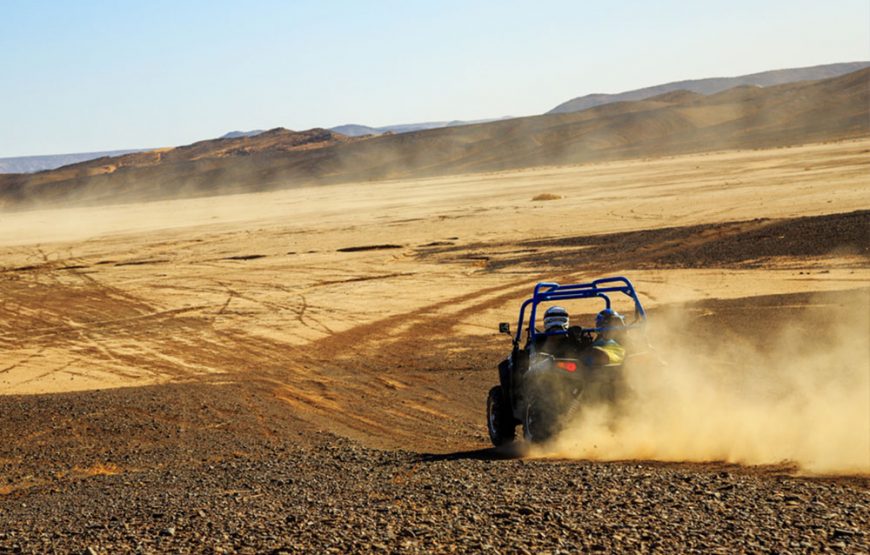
(567, 366)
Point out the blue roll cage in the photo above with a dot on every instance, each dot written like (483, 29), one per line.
(548, 291)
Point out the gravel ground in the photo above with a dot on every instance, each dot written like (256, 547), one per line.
(336, 496)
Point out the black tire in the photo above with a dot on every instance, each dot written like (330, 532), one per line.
(539, 422)
(499, 420)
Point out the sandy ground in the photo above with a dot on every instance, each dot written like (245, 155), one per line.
(257, 285)
(147, 347)
(151, 293)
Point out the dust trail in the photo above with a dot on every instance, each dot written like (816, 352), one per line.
(801, 394)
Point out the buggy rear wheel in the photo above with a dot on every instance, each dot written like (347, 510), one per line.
(539, 422)
(499, 420)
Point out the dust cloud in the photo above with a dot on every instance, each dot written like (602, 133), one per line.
(799, 394)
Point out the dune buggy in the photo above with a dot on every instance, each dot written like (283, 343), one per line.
(541, 386)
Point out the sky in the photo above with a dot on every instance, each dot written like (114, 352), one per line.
(95, 75)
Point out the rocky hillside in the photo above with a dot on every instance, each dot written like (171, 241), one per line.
(671, 123)
(713, 85)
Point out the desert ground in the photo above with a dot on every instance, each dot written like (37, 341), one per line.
(306, 370)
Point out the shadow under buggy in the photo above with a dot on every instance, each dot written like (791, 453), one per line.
(556, 373)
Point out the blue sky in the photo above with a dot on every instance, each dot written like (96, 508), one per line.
(99, 75)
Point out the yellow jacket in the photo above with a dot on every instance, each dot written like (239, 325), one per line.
(605, 352)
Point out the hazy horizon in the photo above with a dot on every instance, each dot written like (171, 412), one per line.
(96, 77)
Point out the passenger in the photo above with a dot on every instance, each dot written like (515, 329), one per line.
(606, 350)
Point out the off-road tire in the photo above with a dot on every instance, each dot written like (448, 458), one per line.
(539, 422)
(499, 420)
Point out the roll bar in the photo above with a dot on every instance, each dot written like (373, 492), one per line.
(549, 291)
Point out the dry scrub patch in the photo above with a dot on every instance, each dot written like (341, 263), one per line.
(546, 196)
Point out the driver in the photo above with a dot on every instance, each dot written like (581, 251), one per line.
(606, 349)
(556, 320)
(557, 339)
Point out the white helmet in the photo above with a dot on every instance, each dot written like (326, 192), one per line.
(555, 317)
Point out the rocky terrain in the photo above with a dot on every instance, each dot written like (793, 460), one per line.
(336, 496)
(222, 469)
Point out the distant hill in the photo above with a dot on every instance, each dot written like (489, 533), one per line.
(201, 155)
(357, 130)
(713, 85)
(669, 124)
(240, 134)
(30, 164)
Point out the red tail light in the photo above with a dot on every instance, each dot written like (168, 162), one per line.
(568, 366)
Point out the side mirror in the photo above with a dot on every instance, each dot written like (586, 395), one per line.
(504, 327)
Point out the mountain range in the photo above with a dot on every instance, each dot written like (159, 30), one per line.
(30, 164)
(357, 130)
(673, 123)
(714, 85)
